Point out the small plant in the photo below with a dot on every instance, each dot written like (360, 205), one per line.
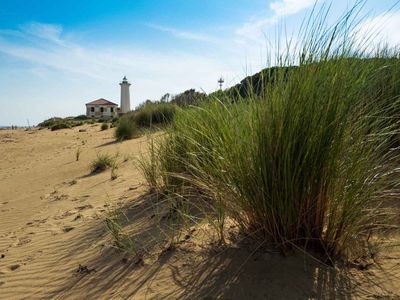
(150, 167)
(78, 153)
(114, 168)
(104, 126)
(126, 129)
(102, 163)
(121, 240)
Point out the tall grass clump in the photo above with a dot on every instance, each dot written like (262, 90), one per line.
(304, 164)
(126, 129)
(146, 116)
(154, 114)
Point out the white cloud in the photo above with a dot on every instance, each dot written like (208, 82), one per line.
(86, 71)
(383, 29)
(254, 29)
(289, 7)
(188, 35)
(48, 32)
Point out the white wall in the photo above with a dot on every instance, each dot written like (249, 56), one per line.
(97, 111)
(125, 97)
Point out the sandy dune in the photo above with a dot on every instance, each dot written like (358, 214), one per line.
(53, 242)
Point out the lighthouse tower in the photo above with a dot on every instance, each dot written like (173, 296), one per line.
(125, 98)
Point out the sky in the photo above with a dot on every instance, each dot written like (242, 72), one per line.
(55, 56)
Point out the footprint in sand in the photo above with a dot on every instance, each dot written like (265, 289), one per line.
(68, 228)
(66, 214)
(13, 267)
(21, 241)
(84, 207)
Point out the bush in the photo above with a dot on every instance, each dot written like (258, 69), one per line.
(152, 114)
(104, 126)
(61, 125)
(50, 122)
(306, 162)
(102, 163)
(126, 129)
(81, 118)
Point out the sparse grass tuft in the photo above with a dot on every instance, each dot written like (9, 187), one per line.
(104, 126)
(150, 167)
(78, 153)
(122, 240)
(102, 163)
(114, 168)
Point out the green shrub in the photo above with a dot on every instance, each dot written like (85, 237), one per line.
(81, 118)
(104, 126)
(61, 125)
(102, 163)
(126, 129)
(50, 122)
(153, 114)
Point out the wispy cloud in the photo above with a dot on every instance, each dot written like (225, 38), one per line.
(380, 30)
(254, 29)
(47, 51)
(48, 32)
(289, 7)
(183, 34)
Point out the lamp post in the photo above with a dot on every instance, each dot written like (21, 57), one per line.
(221, 82)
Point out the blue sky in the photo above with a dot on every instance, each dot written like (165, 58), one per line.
(57, 55)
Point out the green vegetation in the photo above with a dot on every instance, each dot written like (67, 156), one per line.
(189, 98)
(126, 129)
(104, 126)
(102, 163)
(69, 122)
(148, 115)
(121, 240)
(59, 123)
(78, 153)
(302, 161)
(153, 114)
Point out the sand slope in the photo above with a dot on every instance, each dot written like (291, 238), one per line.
(51, 221)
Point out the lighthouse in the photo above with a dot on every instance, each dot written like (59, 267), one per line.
(125, 97)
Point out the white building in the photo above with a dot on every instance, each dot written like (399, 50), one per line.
(101, 108)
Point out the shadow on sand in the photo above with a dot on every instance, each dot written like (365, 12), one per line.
(190, 272)
(113, 142)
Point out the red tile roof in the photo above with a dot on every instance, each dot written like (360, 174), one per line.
(101, 101)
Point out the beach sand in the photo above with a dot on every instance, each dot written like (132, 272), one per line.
(54, 245)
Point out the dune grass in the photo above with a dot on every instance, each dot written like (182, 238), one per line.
(149, 115)
(126, 129)
(102, 162)
(304, 164)
(154, 114)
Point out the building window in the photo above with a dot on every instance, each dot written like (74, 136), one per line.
(112, 109)
(92, 109)
(102, 109)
